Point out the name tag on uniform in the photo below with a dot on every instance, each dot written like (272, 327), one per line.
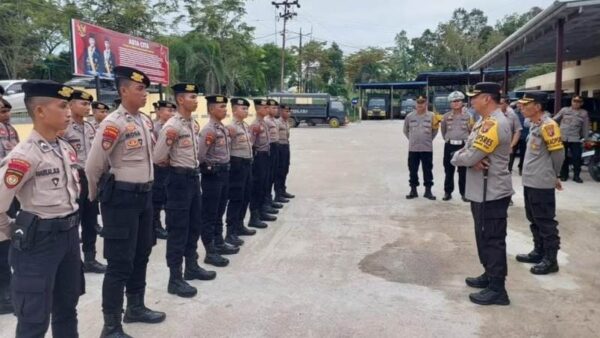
(133, 144)
(456, 142)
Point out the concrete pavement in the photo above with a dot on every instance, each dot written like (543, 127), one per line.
(351, 257)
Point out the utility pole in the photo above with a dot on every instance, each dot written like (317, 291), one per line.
(286, 15)
(300, 90)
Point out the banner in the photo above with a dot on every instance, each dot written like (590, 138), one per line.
(96, 51)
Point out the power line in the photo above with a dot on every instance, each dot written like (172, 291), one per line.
(288, 14)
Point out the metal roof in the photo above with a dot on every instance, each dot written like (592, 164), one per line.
(535, 42)
(462, 78)
(395, 85)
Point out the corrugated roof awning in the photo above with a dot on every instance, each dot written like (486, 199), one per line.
(394, 85)
(463, 78)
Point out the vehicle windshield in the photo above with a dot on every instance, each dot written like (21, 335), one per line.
(376, 102)
(78, 82)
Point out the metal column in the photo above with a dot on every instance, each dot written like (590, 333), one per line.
(360, 103)
(506, 64)
(560, 30)
(391, 102)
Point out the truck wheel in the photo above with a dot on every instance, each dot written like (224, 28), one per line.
(334, 122)
(594, 168)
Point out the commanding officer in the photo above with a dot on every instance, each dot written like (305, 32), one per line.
(44, 254)
(80, 135)
(99, 111)
(420, 128)
(177, 146)
(164, 111)
(214, 158)
(260, 166)
(487, 153)
(269, 206)
(543, 160)
(120, 174)
(240, 176)
(574, 127)
(456, 126)
(283, 169)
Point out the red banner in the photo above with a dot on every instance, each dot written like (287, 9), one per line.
(96, 51)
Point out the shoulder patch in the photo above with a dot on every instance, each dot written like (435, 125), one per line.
(551, 134)
(16, 169)
(109, 136)
(487, 138)
(171, 136)
(210, 138)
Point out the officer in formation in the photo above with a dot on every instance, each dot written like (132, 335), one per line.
(543, 161)
(270, 206)
(42, 173)
(80, 135)
(9, 138)
(456, 126)
(420, 128)
(120, 174)
(240, 176)
(164, 111)
(214, 157)
(574, 127)
(489, 188)
(283, 168)
(515, 127)
(260, 166)
(99, 113)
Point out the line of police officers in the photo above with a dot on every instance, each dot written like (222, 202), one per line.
(69, 170)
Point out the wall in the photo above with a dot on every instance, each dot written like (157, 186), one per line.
(588, 72)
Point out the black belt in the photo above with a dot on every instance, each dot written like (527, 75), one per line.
(185, 171)
(58, 224)
(240, 160)
(133, 187)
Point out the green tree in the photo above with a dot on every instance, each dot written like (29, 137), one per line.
(367, 65)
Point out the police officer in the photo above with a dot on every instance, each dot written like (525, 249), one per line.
(80, 135)
(281, 194)
(543, 161)
(99, 113)
(44, 255)
(177, 147)
(164, 111)
(574, 127)
(515, 127)
(9, 138)
(260, 166)
(420, 128)
(270, 206)
(124, 142)
(455, 126)
(214, 157)
(489, 188)
(240, 177)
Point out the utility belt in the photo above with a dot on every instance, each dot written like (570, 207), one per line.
(240, 161)
(193, 172)
(216, 168)
(28, 224)
(456, 142)
(107, 184)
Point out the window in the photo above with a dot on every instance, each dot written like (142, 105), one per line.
(584, 93)
(596, 93)
(337, 105)
(15, 88)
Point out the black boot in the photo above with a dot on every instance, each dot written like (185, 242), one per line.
(195, 271)
(413, 193)
(494, 294)
(535, 256)
(547, 265)
(232, 237)
(161, 233)
(90, 264)
(266, 217)
(224, 248)
(276, 205)
(243, 231)
(447, 197)
(6, 305)
(577, 179)
(213, 257)
(112, 327)
(280, 199)
(268, 209)
(287, 195)
(136, 311)
(464, 199)
(177, 286)
(98, 229)
(480, 282)
(256, 220)
(428, 194)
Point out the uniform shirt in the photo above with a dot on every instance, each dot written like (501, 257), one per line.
(8, 139)
(456, 127)
(177, 143)
(215, 143)
(284, 131)
(513, 121)
(80, 136)
(95, 124)
(273, 129)
(544, 156)
(158, 125)
(574, 124)
(42, 176)
(489, 139)
(241, 139)
(420, 129)
(123, 143)
(262, 138)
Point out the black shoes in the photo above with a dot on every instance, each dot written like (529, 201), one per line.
(489, 296)
(233, 239)
(161, 233)
(177, 286)
(256, 220)
(136, 311)
(564, 178)
(281, 199)
(287, 195)
(195, 271)
(447, 197)
(226, 249)
(216, 260)
(243, 231)
(412, 194)
(479, 282)
(267, 218)
(428, 194)
(547, 265)
(267, 209)
(276, 205)
(464, 199)
(112, 327)
(577, 179)
(90, 264)
(535, 256)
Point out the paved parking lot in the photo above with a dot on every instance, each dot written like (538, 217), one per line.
(350, 256)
